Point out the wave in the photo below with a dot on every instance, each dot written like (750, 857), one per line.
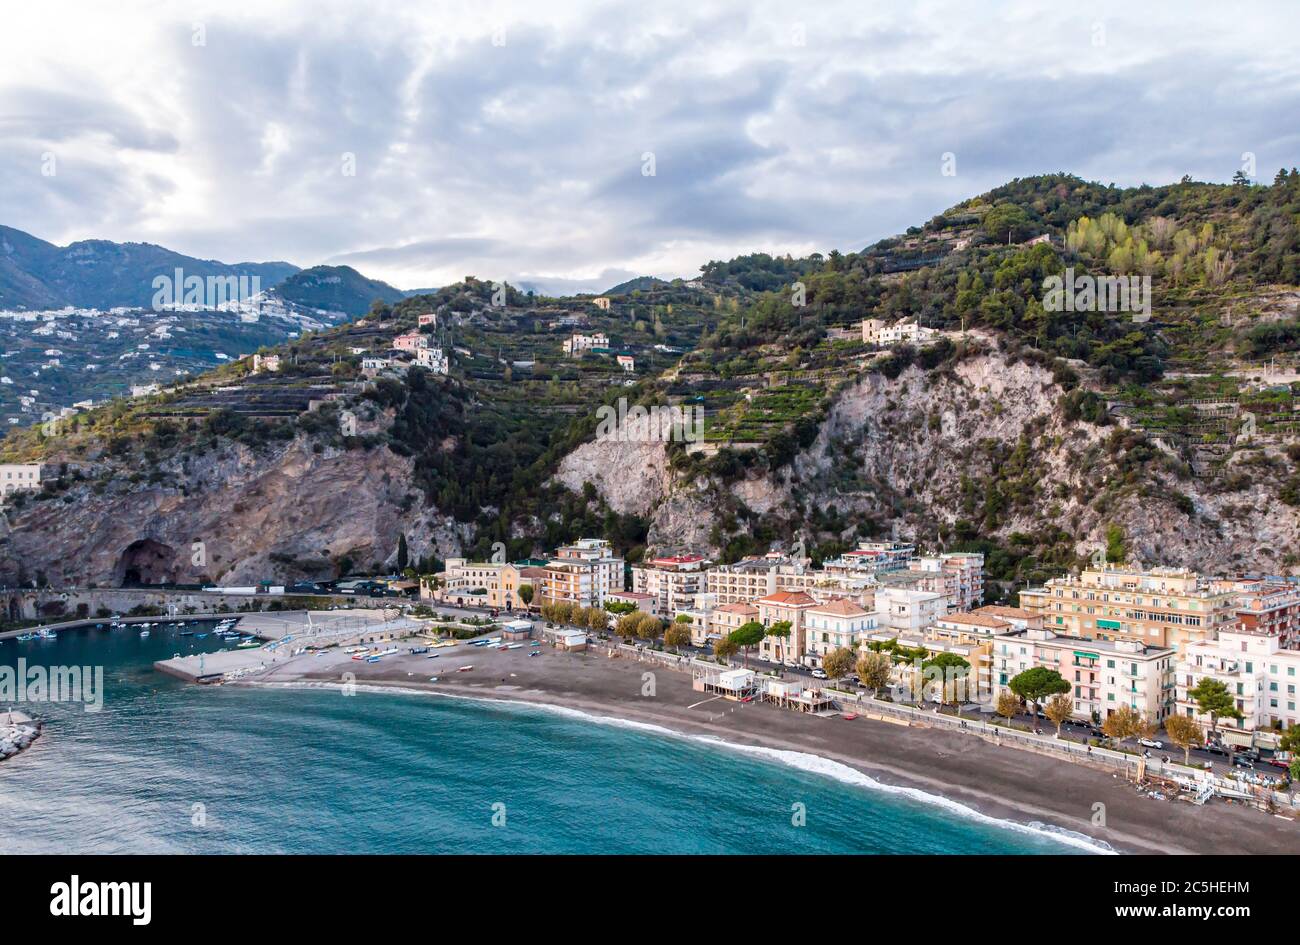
(804, 761)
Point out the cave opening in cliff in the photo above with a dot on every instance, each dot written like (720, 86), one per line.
(146, 562)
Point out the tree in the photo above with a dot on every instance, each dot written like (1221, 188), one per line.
(1059, 708)
(951, 668)
(1125, 722)
(1008, 705)
(748, 635)
(725, 647)
(1184, 732)
(526, 594)
(1291, 742)
(1035, 685)
(1213, 699)
(781, 629)
(838, 662)
(875, 670)
(678, 635)
(647, 627)
(403, 554)
(627, 626)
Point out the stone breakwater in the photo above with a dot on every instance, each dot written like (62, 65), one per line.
(17, 731)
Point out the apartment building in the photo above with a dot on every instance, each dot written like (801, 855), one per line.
(783, 606)
(433, 359)
(1260, 675)
(1162, 607)
(959, 577)
(876, 332)
(583, 573)
(833, 625)
(676, 582)
(905, 610)
(19, 477)
(722, 620)
(642, 602)
(1103, 674)
(1018, 617)
(973, 641)
(752, 578)
(1272, 609)
(411, 341)
(872, 557)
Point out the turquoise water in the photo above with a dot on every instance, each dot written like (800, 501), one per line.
(313, 771)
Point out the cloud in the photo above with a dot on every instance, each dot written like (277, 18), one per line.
(511, 141)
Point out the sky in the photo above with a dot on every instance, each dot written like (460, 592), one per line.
(568, 146)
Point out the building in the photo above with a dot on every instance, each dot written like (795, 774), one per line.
(411, 341)
(479, 584)
(601, 303)
(642, 602)
(958, 577)
(373, 365)
(1163, 607)
(837, 624)
(724, 619)
(428, 318)
(877, 332)
(872, 557)
(265, 362)
(752, 578)
(432, 358)
(626, 362)
(577, 343)
(1018, 617)
(583, 573)
(1103, 674)
(676, 582)
(19, 477)
(973, 641)
(1272, 609)
(784, 606)
(1260, 675)
(903, 610)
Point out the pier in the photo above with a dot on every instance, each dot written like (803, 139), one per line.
(17, 731)
(289, 634)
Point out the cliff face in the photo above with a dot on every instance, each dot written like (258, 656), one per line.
(232, 515)
(985, 441)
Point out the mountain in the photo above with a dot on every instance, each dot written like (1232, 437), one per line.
(1032, 431)
(639, 284)
(102, 275)
(335, 289)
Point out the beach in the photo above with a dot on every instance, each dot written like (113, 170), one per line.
(943, 767)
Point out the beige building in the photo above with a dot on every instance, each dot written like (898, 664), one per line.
(959, 577)
(1162, 607)
(583, 573)
(783, 606)
(478, 584)
(676, 582)
(19, 477)
(748, 580)
(836, 624)
(724, 619)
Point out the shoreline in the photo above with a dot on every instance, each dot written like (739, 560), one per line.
(1013, 788)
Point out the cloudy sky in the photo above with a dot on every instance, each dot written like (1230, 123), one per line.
(423, 141)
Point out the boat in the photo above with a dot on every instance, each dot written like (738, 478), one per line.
(246, 644)
(144, 633)
(24, 637)
(187, 633)
(465, 669)
(46, 634)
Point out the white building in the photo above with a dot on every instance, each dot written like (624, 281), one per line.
(876, 332)
(577, 343)
(1261, 677)
(434, 359)
(19, 477)
(834, 625)
(583, 573)
(903, 610)
(958, 577)
(674, 582)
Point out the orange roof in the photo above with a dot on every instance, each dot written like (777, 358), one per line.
(788, 599)
(840, 608)
(738, 608)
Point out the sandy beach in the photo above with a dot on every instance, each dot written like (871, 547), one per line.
(996, 781)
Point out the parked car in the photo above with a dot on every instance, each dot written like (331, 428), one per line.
(1151, 743)
(819, 674)
(1241, 762)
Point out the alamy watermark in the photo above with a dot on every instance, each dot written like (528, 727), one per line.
(26, 684)
(1071, 293)
(657, 424)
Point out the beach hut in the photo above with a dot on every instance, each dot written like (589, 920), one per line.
(517, 630)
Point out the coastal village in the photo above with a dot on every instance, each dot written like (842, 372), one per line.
(1152, 662)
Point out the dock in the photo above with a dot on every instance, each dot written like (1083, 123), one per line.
(289, 633)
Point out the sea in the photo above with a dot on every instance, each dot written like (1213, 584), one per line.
(170, 767)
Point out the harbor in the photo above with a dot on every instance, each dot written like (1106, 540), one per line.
(284, 635)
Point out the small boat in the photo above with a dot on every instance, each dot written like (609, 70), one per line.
(46, 634)
(199, 636)
(372, 659)
(247, 644)
(465, 669)
(144, 633)
(187, 633)
(24, 637)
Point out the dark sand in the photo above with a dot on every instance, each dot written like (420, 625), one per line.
(1001, 782)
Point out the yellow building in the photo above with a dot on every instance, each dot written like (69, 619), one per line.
(1162, 607)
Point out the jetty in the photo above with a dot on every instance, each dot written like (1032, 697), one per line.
(287, 634)
(17, 731)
